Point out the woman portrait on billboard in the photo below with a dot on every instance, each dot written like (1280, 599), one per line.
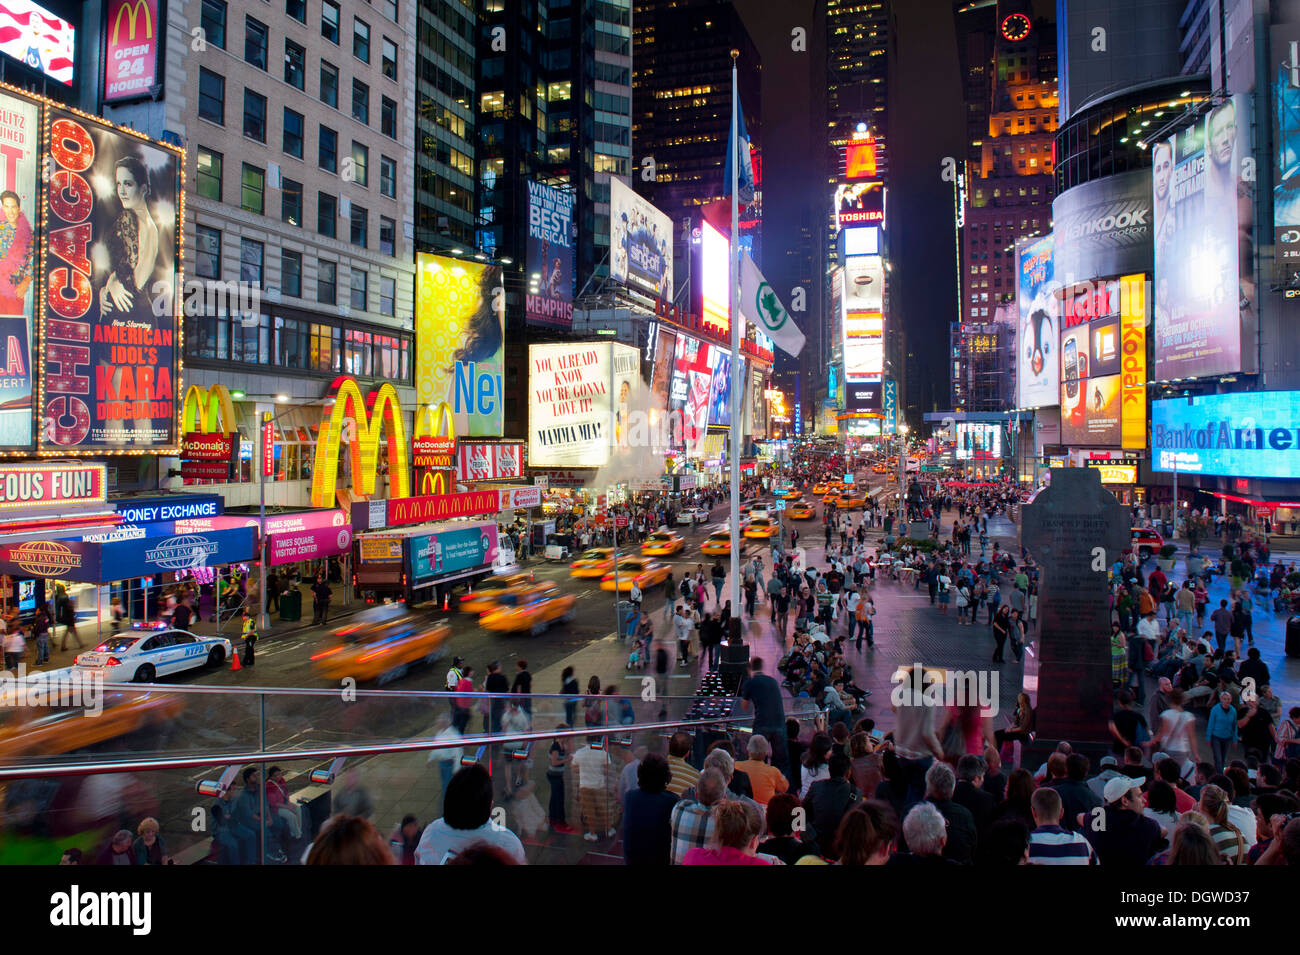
(15, 255)
(481, 331)
(133, 245)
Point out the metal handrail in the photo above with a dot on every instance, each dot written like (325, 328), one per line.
(361, 749)
(334, 691)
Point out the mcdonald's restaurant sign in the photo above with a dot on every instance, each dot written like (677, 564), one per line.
(376, 515)
(360, 422)
(209, 437)
(132, 48)
(434, 450)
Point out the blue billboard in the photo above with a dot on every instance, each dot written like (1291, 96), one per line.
(447, 552)
(176, 507)
(1247, 434)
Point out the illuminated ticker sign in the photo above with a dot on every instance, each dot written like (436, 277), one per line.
(860, 159)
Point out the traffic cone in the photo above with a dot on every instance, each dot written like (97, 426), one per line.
(446, 601)
(235, 665)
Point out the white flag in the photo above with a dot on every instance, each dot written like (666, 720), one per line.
(760, 306)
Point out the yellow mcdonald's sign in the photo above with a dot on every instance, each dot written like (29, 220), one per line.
(435, 421)
(132, 10)
(379, 411)
(207, 411)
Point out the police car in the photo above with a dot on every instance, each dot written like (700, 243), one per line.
(148, 651)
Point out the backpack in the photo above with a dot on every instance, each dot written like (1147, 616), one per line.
(862, 613)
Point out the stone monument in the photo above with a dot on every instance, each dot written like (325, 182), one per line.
(1074, 530)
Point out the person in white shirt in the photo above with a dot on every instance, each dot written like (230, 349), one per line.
(467, 821)
(590, 763)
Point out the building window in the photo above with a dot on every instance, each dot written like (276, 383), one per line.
(327, 213)
(388, 177)
(387, 297)
(296, 9)
(329, 149)
(255, 116)
(293, 127)
(252, 189)
(360, 226)
(291, 273)
(361, 40)
(389, 59)
(359, 283)
(213, 21)
(360, 164)
(207, 164)
(291, 202)
(329, 21)
(388, 117)
(327, 282)
(250, 261)
(255, 42)
(361, 102)
(295, 65)
(212, 96)
(387, 235)
(207, 260)
(390, 9)
(329, 84)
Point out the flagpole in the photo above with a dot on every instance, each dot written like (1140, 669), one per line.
(736, 367)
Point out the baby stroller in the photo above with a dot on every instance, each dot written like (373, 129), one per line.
(636, 658)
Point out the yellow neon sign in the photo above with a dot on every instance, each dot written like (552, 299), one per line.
(380, 411)
(207, 411)
(435, 421)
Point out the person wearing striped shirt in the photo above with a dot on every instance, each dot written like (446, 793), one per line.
(1049, 843)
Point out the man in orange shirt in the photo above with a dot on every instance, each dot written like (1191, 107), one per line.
(765, 778)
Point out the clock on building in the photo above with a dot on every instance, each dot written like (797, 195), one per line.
(1015, 27)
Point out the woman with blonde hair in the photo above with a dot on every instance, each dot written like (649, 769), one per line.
(350, 840)
(1192, 843)
(737, 827)
(1227, 837)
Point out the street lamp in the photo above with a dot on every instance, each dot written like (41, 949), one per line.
(902, 474)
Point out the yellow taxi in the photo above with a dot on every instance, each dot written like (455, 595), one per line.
(831, 497)
(530, 608)
(718, 544)
(850, 499)
(879, 469)
(646, 573)
(49, 730)
(820, 487)
(662, 543)
(801, 511)
(485, 598)
(592, 563)
(762, 527)
(381, 650)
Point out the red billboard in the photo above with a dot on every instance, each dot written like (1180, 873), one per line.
(132, 31)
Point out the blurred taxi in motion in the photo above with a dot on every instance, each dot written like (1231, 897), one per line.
(662, 543)
(820, 488)
(489, 590)
(801, 511)
(850, 499)
(592, 563)
(382, 650)
(718, 544)
(879, 469)
(646, 573)
(529, 608)
(831, 497)
(50, 730)
(792, 494)
(761, 527)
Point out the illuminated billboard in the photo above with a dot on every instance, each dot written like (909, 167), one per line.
(110, 352)
(715, 270)
(38, 39)
(864, 346)
(1103, 363)
(720, 388)
(549, 300)
(860, 159)
(689, 392)
(19, 144)
(459, 341)
(1246, 434)
(860, 203)
(1286, 152)
(640, 242)
(862, 240)
(864, 283)
(978, 442)
(132, 46)
(579, 402)
(1202, 214)
(1037, 368)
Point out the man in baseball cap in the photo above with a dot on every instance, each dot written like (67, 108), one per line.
(1119, 831)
